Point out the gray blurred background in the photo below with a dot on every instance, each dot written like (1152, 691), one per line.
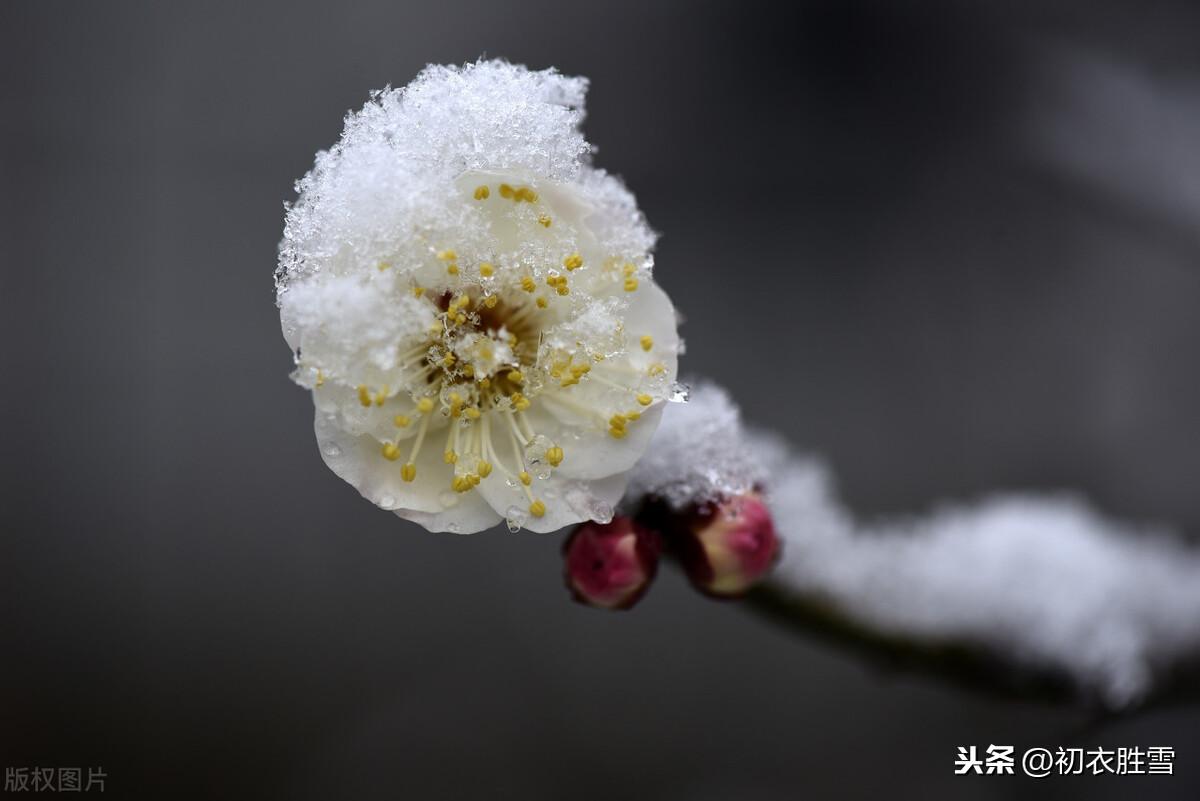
(951, 247)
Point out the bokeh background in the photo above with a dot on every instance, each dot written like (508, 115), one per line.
(952, 247)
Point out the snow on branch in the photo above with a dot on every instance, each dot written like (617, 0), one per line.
(1007, 588)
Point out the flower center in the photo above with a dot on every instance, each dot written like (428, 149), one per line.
(487, 358)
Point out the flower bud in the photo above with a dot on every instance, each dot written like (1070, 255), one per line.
(611, 565)
(728, 546)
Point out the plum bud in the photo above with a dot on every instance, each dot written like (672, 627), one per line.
(611, 565)
(728, 546)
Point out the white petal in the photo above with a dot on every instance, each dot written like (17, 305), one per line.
(427, 500)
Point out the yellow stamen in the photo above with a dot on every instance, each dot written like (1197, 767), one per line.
(631, 284)
(628, 269)
(528, 284)
(537, 508)
(473, 413)
(506, 191)
(544, 220)
(482, 192)
(490, 301)
(487, 270)
(425, 405)
(449, 457)
(573, 262)
(647, 342)
(408, 472)
(391, 451)
(554, 456)
(401, 421)
(541, 302)
(364, 396)
(645, 399)
(320, 378)
(484, 468)
(418, 291)
(526, 479)
(447, 255)
(452, 269)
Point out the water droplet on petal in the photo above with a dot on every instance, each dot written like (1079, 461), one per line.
(448, 499)
(453, 528)
(331, 449)
(515, 517)
(680, 393)
(387, 502)
(602, 512)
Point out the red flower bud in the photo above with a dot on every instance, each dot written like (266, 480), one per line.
(728, 546)
(611, 565)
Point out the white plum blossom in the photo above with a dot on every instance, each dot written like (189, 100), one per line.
(470, 302)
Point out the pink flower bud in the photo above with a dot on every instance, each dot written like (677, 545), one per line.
(728, 546)
(611, 565)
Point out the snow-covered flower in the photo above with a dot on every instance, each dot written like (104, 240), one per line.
(470, 302)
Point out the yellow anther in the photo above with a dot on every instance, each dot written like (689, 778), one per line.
(435, 327)
(658, 368)
(617, 433)
(580, 370)
(425, 405)
(526, 194)
(573, 262)
(544, 220)
(537, 508)
(460, 318)
(563, 289)
(320, 378)
(541, 302)
(520, 402)
(490, 301)
(482, 193)
(474, 478)
(631, 284)
(617, 421)
(569, 382)
(484, 383)
(450, 457)
(473, 413)
(487, 270)
(391, 451)
(526, 479)
(516, 376)
(645, 399)
(647, 342)
(506, 191)
(461, 483)
(447, 255)
(383, 265)
(528, 284)
(364, 396)
(452, 269)
(381, 395)
(554, 456)
(408, 472)
(418, 291)
(628, 269)
(448, 360)
(468, 370)
(484, 468)
(401, 421)
(631, 416)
